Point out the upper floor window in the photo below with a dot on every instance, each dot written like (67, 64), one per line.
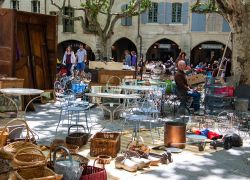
(35, 6)
(176, 12)
(126, 21)
(68, 24)
(14, 4)
(152, 13)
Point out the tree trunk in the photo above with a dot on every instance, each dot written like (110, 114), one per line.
(239, 23)
(104, 48)
(241, 56)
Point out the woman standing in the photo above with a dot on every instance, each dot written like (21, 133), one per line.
(69, 59)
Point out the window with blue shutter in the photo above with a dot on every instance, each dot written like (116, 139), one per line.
(168, 13)
(161, 13)
(225, 26)
(176, 12)
(144, 17)
(185, 13)
(153, 13)
(198, 22)
(126, 21)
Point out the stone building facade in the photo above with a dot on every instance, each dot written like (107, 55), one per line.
(166, 29)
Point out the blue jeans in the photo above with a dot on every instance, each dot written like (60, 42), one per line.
(196, 99)
(81, 66)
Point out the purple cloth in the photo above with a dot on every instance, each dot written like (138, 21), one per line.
(133, 60)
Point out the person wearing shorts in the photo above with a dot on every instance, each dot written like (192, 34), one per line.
(81, 56)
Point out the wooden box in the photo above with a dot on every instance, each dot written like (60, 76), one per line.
(11, 83)
(105, 143)
(195, 79)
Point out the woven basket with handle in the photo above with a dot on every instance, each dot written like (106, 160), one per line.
(29, 156)
(77, 138)
(15, 146)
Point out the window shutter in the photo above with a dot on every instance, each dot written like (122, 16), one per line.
(144, 17)
(168, 13)
(225, 26)
(184, 13)
(123, 20)
(129, 21)
(161, 14)
(198, 22)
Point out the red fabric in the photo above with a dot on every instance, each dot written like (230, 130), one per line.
(198, 132)
(213, 135)
(227, 91)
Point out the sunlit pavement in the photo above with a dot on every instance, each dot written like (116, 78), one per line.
(214, 165)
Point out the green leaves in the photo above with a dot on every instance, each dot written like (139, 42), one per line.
(208, 7)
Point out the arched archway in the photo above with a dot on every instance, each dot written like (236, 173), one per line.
(208, 52)
(162, 50)
(120, 46)
(61, 47)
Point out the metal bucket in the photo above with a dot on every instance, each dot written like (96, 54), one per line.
(175, 134)
(241, 104)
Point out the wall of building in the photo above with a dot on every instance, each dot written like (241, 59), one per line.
(193, 29)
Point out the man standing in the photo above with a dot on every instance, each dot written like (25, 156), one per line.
(182, 88)
(127, 58)
(81, 56)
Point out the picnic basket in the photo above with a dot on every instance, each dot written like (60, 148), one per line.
(77, 138)
(105, 143)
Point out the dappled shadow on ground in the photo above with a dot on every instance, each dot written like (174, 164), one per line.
(222, 164)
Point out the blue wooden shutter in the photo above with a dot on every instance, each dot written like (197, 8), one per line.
(184, 13)
(123, 20)
(161, 13)
(225, 26)
(129, 21)
(144, 17)
(168, 13)
(198, 22)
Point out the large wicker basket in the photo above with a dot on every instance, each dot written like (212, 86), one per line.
(104, 143)
(29, 156)
(77, 138)
(15, 146)
(37, 173)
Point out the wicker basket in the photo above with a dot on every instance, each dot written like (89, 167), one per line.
(4, 169)
(29, 156)
(72, 148)
(15, 146)
(37, 173)
(93, 173)
(77, 138)
(3, 137)
(104, 143)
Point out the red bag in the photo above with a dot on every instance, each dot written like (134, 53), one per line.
(93, 173)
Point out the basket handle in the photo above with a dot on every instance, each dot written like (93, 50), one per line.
(16, 120)
(29, 148)
(76, 125)
(65, 150)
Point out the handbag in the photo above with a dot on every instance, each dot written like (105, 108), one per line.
(93, 173)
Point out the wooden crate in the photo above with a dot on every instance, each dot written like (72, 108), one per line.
(11, 83)
(105, 143)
